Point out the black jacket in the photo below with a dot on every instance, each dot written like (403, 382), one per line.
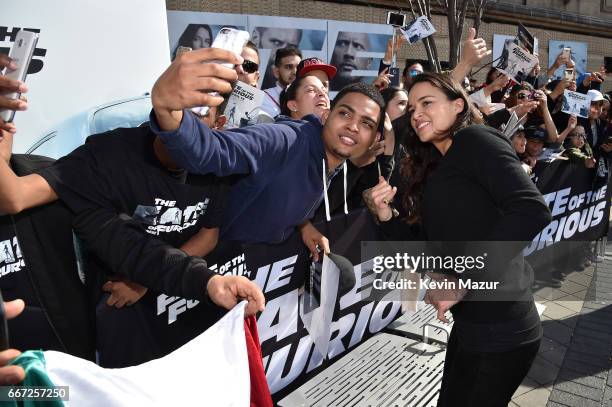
(46, 241)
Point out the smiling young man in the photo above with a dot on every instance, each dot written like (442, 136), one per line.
(285, 163)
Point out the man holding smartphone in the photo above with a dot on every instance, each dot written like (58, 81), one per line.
(121, 189)
(285, 166)
(8, 85)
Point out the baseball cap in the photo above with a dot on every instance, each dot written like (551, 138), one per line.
(595, 95)
(315, 64)
(537, 133)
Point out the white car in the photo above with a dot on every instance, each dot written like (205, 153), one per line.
(73, 131)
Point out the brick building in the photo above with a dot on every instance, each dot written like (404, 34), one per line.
(588, 21)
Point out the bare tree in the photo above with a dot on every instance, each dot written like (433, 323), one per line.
(456, 12)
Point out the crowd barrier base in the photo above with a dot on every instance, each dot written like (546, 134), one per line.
(422, 324)
(385, 370)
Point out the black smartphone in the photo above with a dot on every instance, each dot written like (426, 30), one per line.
(396, 19)
(395, 76)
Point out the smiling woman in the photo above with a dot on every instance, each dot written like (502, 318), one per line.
(306, 95)
(449, 156)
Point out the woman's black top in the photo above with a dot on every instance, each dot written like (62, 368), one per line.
(479, 192)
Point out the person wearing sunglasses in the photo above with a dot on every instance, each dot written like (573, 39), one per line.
(577, 149)
(412, 69)
(248, 71)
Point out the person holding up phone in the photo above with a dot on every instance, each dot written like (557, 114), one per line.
(8, 85)
(38, 262)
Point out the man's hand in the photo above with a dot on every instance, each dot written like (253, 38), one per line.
(123, 293)
(474, 51)
(188, 82)
(11, 374)
(443, 298)
(378, 198)
(313, 238)
(9, 85)
(524, 108)
(227, 291)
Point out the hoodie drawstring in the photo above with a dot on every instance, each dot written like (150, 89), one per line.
(326, 198)
(345, 205)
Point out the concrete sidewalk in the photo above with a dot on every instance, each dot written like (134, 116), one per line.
(574, 365)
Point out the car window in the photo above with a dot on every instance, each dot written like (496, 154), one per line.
(73, 131)
(131, 113)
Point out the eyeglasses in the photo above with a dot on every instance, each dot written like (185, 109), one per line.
(414, 72)
(249, 66)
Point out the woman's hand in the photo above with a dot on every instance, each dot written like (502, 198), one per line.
(378, 198)
(444, 298)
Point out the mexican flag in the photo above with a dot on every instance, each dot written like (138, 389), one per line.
(210, 370)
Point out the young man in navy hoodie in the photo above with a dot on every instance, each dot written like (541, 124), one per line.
(286, 165)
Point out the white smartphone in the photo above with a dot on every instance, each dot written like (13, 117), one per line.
(229, 39)
(21, 53)
(232, 40)
(567, 52)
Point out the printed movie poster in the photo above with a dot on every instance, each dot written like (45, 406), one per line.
(356, 50)
(272, 33)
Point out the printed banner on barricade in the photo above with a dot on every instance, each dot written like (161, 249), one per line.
(288, 350)
(580, 205)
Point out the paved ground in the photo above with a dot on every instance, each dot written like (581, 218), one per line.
(574, 365)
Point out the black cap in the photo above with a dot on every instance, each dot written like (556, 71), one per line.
(536, 133)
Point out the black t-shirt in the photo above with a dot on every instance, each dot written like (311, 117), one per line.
(480, 193)
(31, 329)
(120, 170)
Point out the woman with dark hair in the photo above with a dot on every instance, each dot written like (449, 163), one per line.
(195, 36)
(396, 100)
(464, 183)
(306, 95)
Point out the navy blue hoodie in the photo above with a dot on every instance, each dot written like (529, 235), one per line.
(283, 164)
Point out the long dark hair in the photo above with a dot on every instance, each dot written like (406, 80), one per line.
(389, 93)
(422, 158)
